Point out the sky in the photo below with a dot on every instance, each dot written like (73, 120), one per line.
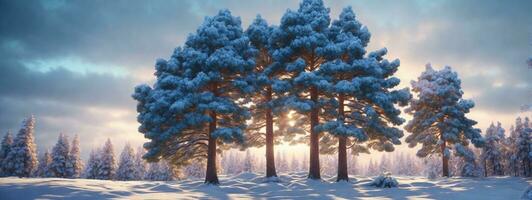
(74, 64)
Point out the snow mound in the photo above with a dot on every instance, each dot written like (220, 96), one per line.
(385, 180)
(252, 186)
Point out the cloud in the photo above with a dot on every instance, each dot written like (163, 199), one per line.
(74, 63)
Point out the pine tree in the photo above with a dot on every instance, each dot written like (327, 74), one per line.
(439, 120)
(140, 164)
(300, 54)
(267, 107)
(60, 156)
(491, 152)
(524, 146)
(43, 170)
(510, 149)
(126, 164)
(93, 165)
(470, 167)
(364, 90)
(22, 160)
(199, 95)
(5, 148)
(107, 164)
(74, 164)
(160, 171)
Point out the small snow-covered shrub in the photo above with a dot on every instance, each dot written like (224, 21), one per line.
(385, 180)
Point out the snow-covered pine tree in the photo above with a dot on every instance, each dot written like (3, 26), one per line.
(470, 167)
(160, 171)
(248, 162)
(524, 146)
(432, 166)
(199, 99)
(107, 164)
(126, 164)
(140, 164)
(60, 156)
(43, 170)
(491, 152)
(153, 171)
(510, 149)
(5, 148)
(300, 46)
(267, 107)
(439, 120)
(363, 88)
(74, 164)
(93, 165)
(22, 160)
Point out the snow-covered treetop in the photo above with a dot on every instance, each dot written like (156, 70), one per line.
(439, 112)
(208, 74)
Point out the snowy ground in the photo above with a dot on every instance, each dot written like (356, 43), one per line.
(245, 186)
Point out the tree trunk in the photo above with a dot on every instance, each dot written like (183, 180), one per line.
(485, 169)
(270, 159)
(342, 149)
(211, 176)
(445, 160)
(314, 167)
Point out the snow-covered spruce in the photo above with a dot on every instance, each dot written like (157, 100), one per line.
(385, 180)
(492, 157)
(74, 164)
(5, 148)
(524, 146)
(439, 120)
(45, 160)
(22, 160)
(126, 165)
(107, 162)
(93, 165)
(140, 164)
(60, 156)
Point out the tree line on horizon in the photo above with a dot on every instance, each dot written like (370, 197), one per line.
(502, 155)
(307, 80)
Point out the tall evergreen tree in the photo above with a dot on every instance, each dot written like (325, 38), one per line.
(22, 158)
(93, 165)
(524, 146)
(439, 120)
(510, 149)
(107, 162)
(43, 170)
(74, 164)
(60, 156)
(199, 96)
(364, 90)
(300, 45)
(140, 164)
(5, 148)
(126, 164)
(267, 107)
(491, 152)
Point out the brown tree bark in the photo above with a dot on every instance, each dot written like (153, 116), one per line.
(342, 149)
(445, 160)
(270, 159)
(314, 165)
(211, 176)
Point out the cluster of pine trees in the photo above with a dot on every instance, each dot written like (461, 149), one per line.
(510, 155)
(18, 157)
(307, 80)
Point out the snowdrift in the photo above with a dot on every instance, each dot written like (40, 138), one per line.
(249, 185)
